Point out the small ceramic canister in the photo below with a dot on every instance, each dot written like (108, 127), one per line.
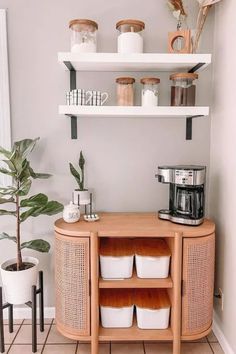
(71, 213)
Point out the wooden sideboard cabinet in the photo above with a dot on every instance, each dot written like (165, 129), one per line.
(190, 284)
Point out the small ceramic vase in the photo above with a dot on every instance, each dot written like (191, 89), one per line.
(71, 213)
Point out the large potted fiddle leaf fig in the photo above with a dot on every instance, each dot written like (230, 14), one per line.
(20, 274)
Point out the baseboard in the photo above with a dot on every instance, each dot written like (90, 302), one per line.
(25, 312)
(220, 336)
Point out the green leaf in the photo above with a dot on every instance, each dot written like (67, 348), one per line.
(6, 172)
(75, 173)
(4, 236)
(24, 147)
(7, 212)
(4, 200)
(10, 165)
(37, 245)
(51, 208)
(7, 191)
(35, 201)
(5, 152)
(24, 188)
(81, 160)
(38, 175)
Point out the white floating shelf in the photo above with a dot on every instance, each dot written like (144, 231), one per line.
(134, 62)
(134, 111)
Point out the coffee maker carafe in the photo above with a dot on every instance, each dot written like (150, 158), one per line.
(186, 194)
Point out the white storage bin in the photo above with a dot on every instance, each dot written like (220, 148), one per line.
(153, 309)
(152, 258)
(116, 308)
(116, 258)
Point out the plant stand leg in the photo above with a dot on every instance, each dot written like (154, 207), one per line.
(34, 319)
(10, 318)
(2, 344)
(41, 302)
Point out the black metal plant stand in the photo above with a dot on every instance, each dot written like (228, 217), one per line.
(33, 305)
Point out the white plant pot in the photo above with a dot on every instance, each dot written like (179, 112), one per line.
(82, 196)
(113, 317)
(116, 267)
(17, 286)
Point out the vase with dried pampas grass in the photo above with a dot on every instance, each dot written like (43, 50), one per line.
(204, 7)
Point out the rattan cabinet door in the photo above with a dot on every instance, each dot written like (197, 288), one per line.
(72, 275)
(198, 284)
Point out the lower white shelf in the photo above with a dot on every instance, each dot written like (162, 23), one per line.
(133, 111)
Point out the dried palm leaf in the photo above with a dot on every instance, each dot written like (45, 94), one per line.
(178, 6)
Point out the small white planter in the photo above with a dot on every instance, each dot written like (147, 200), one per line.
(82, 196)
(116, 267)
(112, 317)
(152, 267)
(17, 286)
(152, 319)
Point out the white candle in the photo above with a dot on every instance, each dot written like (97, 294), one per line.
(130, 42)
(84, 47)
(149, 98)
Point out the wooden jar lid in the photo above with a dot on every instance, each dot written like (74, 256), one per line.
(152, 247)
(191, 76)
(84, 21)
(150, 80)
(116, 297)
(154, 299)
(137, 24)
(125, 80)
(116, 247)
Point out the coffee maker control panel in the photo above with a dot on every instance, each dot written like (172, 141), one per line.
(184, 177)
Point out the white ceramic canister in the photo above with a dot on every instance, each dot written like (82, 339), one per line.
(130, 39)
(71, 213)
(17, 285)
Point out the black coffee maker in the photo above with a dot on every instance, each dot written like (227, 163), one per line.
(187, 197)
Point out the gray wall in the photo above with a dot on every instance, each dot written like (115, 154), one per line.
(122, 154)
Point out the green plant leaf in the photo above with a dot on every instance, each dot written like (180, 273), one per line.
(75, 173)
(24, 188)
(7, 191)
(7, 212)
(35, 201)
(4, 236)
(5, 152)
(37, 245)
(6, 172)
(10, 165)
(24, 147)
(4, 200)
(38, 175)
(50, 208)
(81, 160)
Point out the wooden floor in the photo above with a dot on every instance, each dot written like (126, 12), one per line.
(51, 342)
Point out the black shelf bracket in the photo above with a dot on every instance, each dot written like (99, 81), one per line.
(189, 120)
(73, 119)
(33, 305)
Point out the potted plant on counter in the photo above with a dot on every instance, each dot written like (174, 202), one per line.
(81, 195)
(20, 274)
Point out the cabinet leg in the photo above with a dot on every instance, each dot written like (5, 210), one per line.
(176, 347)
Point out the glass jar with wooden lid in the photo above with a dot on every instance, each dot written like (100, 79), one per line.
(83, 36)
(183, 91)
(150, 91)
(125, 91)
(130, 38)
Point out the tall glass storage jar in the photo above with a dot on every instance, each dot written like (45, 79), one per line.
(130, 37)
(83, 36)
(125, 91)
(150, 91)
(183, 91)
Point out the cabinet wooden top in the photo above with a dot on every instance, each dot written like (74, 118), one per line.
(132, 225)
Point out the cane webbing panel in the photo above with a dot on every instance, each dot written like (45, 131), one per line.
(198, 284)
(72, 284)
